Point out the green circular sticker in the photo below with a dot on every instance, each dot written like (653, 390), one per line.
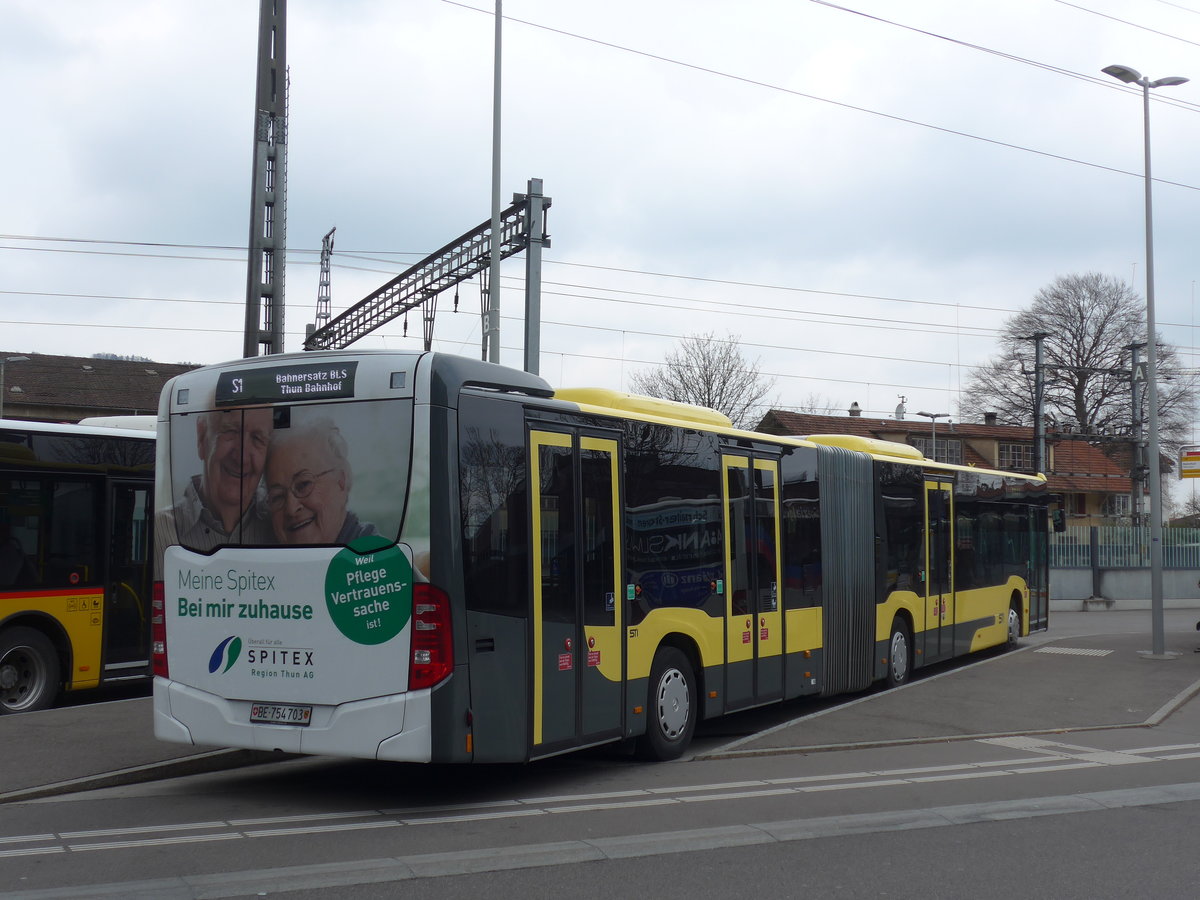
(368, 589)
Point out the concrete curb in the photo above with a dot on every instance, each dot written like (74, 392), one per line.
(213, 761)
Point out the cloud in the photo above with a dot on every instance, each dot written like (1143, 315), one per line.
(813, 172)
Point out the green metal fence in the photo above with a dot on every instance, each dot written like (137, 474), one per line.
(1122, 546)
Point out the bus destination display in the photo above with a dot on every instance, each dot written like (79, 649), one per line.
(281, 384)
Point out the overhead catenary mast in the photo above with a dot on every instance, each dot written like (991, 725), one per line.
(523, 227)
(268, 190)
(491, 319)
(324, 298)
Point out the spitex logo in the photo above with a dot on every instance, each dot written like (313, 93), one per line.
(225, 655)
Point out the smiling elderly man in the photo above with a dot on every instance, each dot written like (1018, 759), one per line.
(223, 503)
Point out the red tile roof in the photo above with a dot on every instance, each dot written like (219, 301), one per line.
(66, 388)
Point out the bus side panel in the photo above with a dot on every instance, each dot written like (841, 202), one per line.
(496, 649)
(674, 556)
(432, 520)
(804, 673)
(999, 559)
(982, 617)
(491, 537)
(910, 609)
(701, 635)
(70, 616)
(800, 519)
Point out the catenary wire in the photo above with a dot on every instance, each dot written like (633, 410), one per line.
(838, 103)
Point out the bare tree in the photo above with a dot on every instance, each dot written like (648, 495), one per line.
(1090, 321)
(817, 404)
(705, 370)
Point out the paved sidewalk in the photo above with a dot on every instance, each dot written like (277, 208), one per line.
(97, 745)
(1072, 683)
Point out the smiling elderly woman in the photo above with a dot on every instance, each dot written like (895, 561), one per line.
(308, 479)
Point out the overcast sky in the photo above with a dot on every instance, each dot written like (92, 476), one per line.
(863, 193)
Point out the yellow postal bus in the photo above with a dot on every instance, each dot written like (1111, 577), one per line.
(75, 559)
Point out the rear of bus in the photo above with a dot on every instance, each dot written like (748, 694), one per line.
(294, 610)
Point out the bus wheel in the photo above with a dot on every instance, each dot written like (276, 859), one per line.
(1014, 627)
(671, 707)
(28, 671)
(899, 654)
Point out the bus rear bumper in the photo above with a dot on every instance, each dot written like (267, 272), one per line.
(393, 728)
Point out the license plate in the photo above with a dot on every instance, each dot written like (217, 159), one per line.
(280, 714)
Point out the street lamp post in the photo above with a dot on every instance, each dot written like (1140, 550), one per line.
(3, 362)
(1133, 76)
(933, 417)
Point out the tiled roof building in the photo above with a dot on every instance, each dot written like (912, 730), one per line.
(46, 388)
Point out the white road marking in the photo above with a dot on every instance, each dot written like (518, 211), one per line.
(309, 817)
(395, 869)
(159, 842)
(112, 832)
(31, 851)
(1046, 756)
(321, 829)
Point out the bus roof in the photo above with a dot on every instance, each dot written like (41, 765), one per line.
(139, 423)
(85, 428)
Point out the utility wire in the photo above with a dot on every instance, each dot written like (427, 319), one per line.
(1179, 6)
(391, 272)
(1094, 12)
(646, 362)
(838, 103)
(738, 307)
(723, 307)
(1092, 79)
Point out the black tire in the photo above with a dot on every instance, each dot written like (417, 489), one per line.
(1014, 627)
(899, 665)
(29, 671)
(671, 707)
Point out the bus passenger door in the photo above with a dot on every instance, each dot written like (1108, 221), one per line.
(939, 571)
(754, 623)
(578, 665)
(128, 581)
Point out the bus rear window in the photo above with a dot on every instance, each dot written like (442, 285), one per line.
(300, 475)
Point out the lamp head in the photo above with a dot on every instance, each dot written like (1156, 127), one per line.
(1123, 73)
(1169, 81)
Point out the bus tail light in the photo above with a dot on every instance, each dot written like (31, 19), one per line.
(432, 642)
(158, 630)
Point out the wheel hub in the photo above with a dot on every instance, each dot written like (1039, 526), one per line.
(674, 705)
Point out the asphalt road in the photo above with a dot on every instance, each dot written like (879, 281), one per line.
(1099, 811)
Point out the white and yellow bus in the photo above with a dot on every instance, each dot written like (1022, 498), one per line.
(440, 559)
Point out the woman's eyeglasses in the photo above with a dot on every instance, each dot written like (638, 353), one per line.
(302, 485)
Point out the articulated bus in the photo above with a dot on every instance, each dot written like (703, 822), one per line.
(75, 559)
(423, 557)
